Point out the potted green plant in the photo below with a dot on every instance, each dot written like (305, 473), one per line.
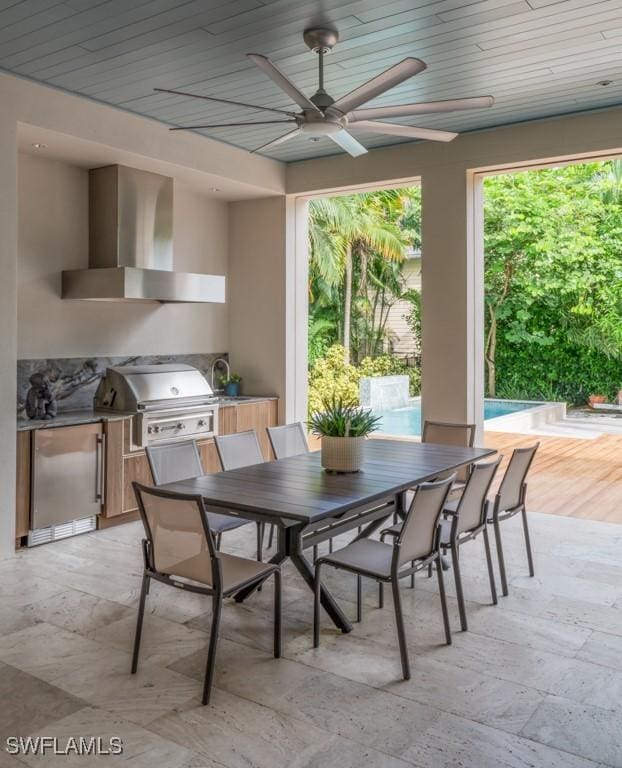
(596, 399)
(343, 428)
(231, 384)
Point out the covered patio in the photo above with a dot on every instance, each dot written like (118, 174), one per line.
(536, 679)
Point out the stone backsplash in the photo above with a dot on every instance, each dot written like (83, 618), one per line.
(75, 379)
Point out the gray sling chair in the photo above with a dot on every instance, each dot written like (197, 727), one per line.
(510, 501)
(179, 550)
(448, 433)
(241, 450)
(181, 461)
(463, 521)
(416, 545)
(288, 440)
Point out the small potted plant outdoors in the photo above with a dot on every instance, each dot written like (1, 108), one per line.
(596, 399)
(343, 428)
(231, 384)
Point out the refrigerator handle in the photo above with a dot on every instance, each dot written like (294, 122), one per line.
(100, 468)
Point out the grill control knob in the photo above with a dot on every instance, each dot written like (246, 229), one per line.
(181, 425)
(201, 423)
(155, 429)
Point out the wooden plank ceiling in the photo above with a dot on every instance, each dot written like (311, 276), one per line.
(537, 57)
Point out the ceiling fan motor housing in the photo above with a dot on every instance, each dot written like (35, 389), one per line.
(321, 39)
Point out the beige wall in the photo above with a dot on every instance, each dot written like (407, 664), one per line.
(53, 235)
(257, 299)
(8, 324)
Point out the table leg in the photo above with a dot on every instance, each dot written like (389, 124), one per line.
(338, 617)
(293, 545)
(290, 545)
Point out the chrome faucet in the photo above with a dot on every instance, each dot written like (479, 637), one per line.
(224, 362)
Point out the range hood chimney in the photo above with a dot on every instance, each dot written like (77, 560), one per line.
(131, 244)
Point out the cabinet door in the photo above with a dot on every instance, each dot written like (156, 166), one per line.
(258, 416)
(134, 468)
(209, 456)
(227, 420)
(22, 502)
(67, 474)
(113, 504)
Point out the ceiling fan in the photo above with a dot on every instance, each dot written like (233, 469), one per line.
(321, 115)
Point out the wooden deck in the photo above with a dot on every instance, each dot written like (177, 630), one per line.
(570, 477)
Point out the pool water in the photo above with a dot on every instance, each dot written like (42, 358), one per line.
(407, 421)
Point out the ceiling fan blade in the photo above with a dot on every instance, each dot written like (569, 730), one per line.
(275, 74)
(285, 137)
(224, 101)
(230, 125)
(349, 143)
(423, 108)
(379, 84)
(410, 131)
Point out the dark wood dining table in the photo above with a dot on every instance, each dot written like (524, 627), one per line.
(309, 505)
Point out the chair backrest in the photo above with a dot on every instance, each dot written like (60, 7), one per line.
(448, 433)
(239, 450)
(511, 493)
(174, 461)
(179, 539)
(471, 510)
(419, 535)
(289, 440)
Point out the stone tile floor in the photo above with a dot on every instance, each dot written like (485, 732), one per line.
(535, 682)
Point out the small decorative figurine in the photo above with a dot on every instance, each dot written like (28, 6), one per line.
(40, 400)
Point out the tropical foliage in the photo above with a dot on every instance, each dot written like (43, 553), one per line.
(357, 247)
(331, 376)
(553, 281)
(553, 273)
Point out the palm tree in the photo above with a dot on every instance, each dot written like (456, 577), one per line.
(344, 228)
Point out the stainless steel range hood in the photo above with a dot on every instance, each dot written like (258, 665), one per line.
(131, 244)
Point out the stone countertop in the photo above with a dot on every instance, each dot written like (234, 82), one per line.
(225, 401)
(89, 416)
(68, 419)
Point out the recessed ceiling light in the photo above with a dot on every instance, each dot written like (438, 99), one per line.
(604, 82)
(214, 189)
(39, 145)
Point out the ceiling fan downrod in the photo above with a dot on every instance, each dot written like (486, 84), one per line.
(321, 41)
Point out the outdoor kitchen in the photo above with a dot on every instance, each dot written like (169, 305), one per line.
(125, 246)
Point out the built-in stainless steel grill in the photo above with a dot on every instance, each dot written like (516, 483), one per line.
(168, 402)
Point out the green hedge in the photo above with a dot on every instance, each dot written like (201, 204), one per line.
(556, 372)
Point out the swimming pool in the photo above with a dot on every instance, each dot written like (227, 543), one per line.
(407, 421)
